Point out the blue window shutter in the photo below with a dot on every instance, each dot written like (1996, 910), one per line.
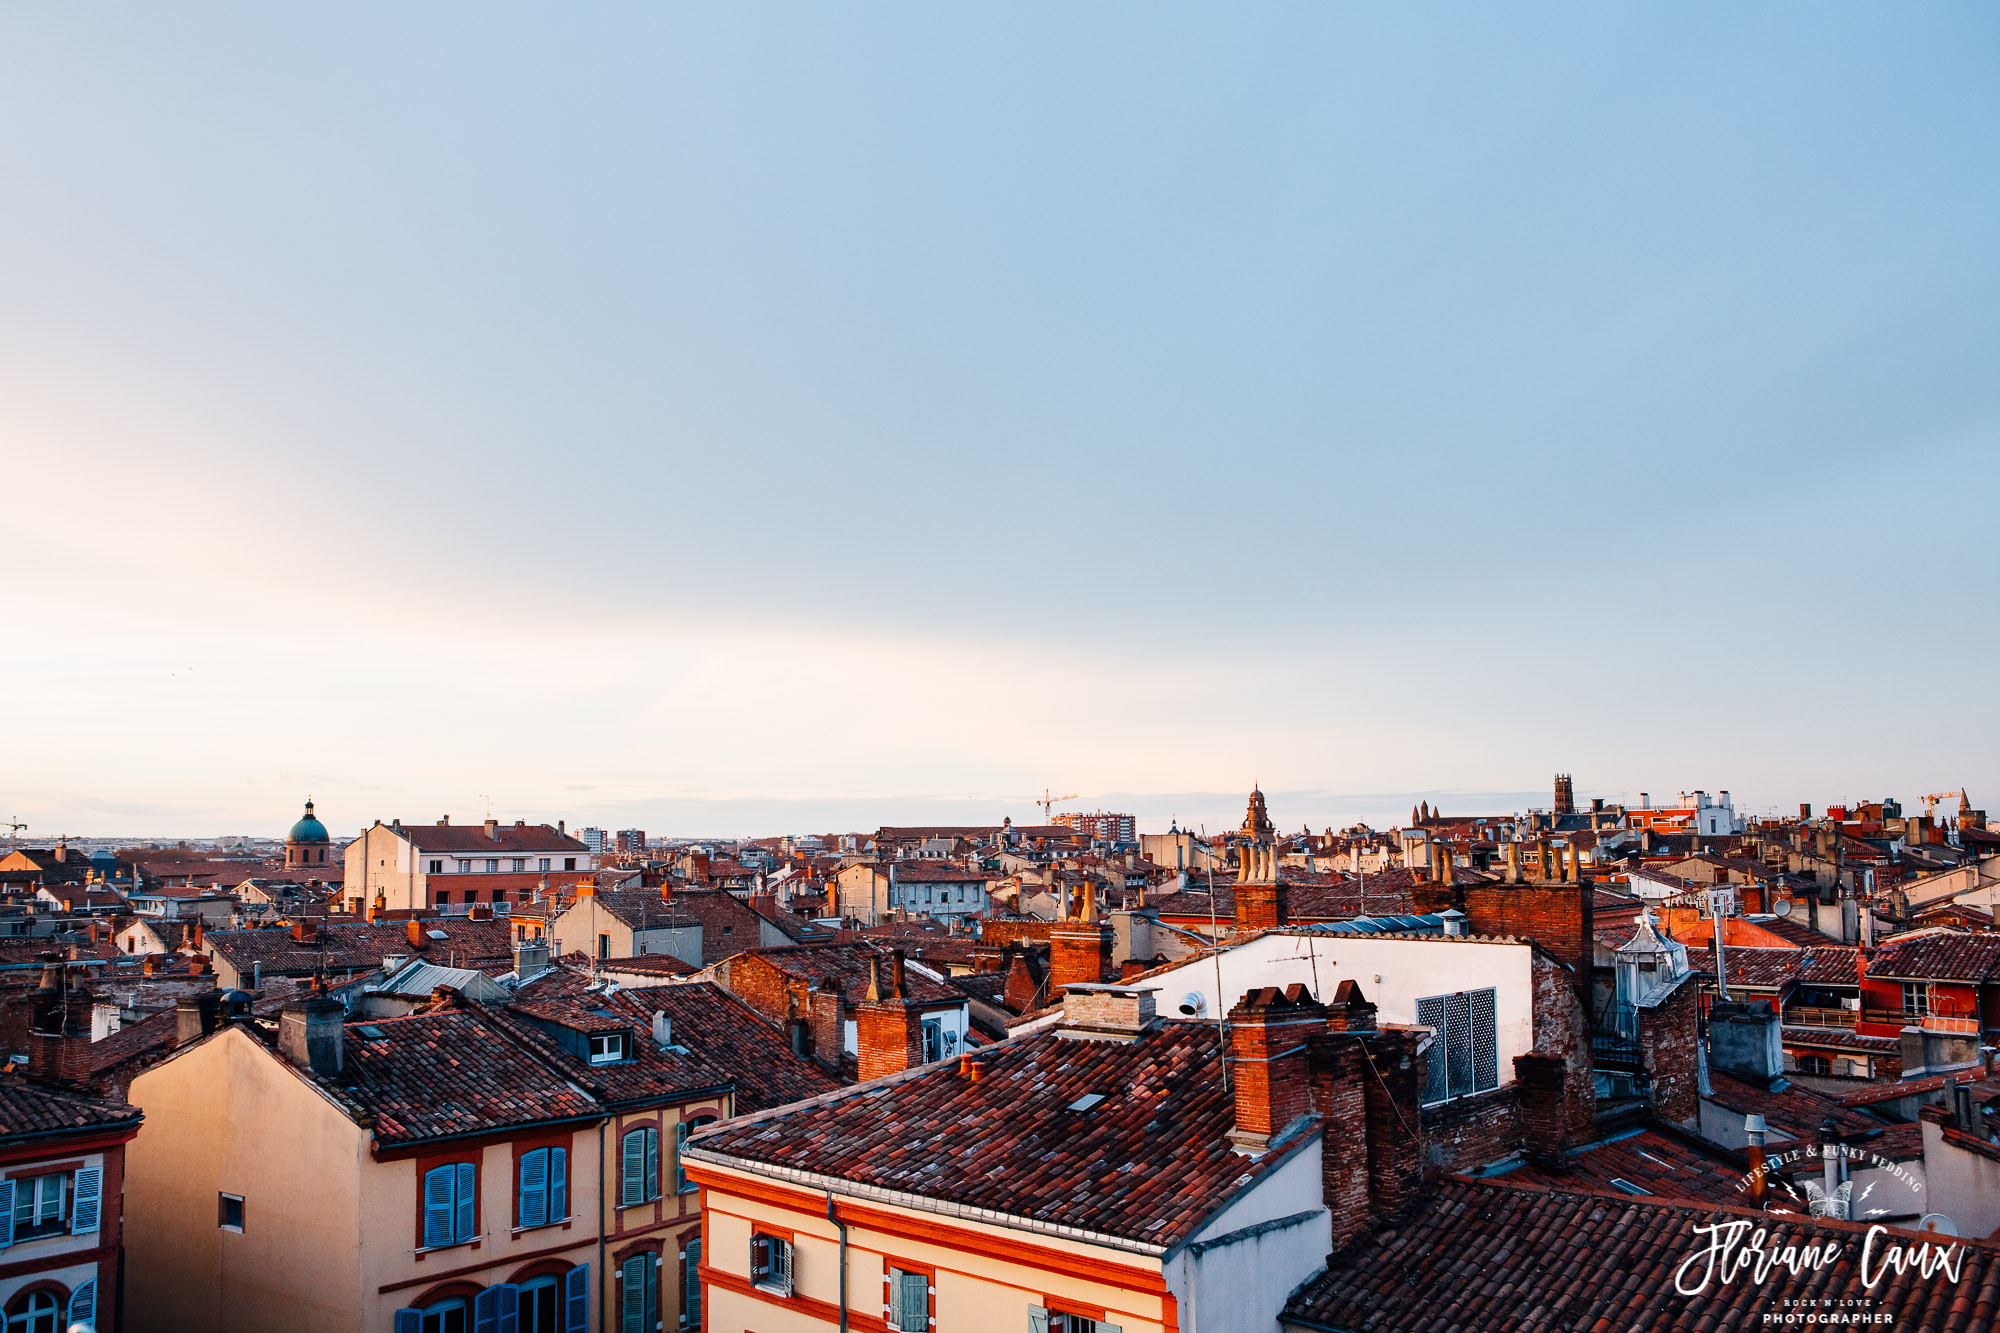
(468, 1225)
(409, 1321)
(558, 1184)
(6, 1213)
(680, 1140)
(691, 1296)
(87, 1203)
(652, 1162)
(576, 1300)
(510, 1307)
(535, 1188)
(486, 1311)
(652, 1263)
(632, 1295)
(438, 1206)
(1038, 1319)
(634, 1166)
(83, 1305)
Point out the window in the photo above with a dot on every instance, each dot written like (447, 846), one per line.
(544, 1194)
(604, 946)
(35, 1206)
(909, 1300)
(771, 1263)
(607, 1047)
(436, 868)
(521, 863)
(569, 863)
(492, 865)
(541, 1306)
(445, 1317)
(229, 1212)
(639, 1174)
(443, 897)
(449, 1193)
(1916, 997)
(1814, 1064)
(934, 1039)
(544, 868)
(465, 868)
(681, 1131)
(639, 1294)
(83, 1305)
(1464, 1056)
(1056, 1321)
(34, 1314)
(691, 1284)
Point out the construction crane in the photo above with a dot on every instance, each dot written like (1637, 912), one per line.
(14, 827)
(1930, 801)
(1049, 800)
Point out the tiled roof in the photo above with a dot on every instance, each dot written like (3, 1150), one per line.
(847, 964)
(362, 946)
(1938, 955)
(1664, 1166)
(1793, 1109)
(733, 1038)
(451, 1072)
(1485, 1255)
(32, 1108)
(1315, 898)
(1796, 932)
(134, 1041)
(653, 1074)
(1149, 1163)
(644, 909)
(1839, 1039)
(471, 839)
(654, 964)
(728, 926)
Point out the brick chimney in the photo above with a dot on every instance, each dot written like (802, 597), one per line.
(1107, 1012)
(1023, 991)
(1079, 952)
(59, 1029)
(824, 1023)
(1268, 1029)
(1339, 1072)
(1544, 1115)
(1261, 898)
(1395, 1129)
(413, 930)
(1351, 1011)
(888, 1027)
(312, 1035)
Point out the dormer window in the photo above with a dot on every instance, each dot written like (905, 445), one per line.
(607, 1047)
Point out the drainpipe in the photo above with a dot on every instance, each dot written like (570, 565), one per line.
(834, 1218)
(602, 1284)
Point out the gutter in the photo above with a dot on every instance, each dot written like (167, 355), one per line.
(834, 1218)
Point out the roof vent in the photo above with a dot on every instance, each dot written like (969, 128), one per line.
(1194, 1004)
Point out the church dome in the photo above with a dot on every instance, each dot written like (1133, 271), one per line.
(308, 829)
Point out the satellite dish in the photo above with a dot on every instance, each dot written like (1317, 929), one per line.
(1783, 907)
(1192, 1004)
(1937, 1222)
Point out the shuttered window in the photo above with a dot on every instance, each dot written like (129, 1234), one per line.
(544, 1194)
(691, 1284)
(639, 1172)
(909, 1300)
(639, 1294)
(86, 1205)
(448, 1205)
(83, 1305)
(771, 1263)
(497, 1309)
(576, 1299)
(1464, 1056)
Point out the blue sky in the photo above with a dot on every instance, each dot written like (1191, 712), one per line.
(737, 418)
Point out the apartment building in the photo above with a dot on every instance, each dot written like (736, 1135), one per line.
(426, 867)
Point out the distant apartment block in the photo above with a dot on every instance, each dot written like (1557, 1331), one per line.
(1100, 825)
(631, 841)
(398, 866)
(595, 840)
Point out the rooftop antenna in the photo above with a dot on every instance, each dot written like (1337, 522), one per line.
(489, 804)
(1221, 1002)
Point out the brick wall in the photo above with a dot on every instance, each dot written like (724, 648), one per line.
(1338, 1074)
(1079, 953)
(1268, 1031)
(762, 987)
(1469, 1132)
(889, 1038)
(1002, 931)
(1668, 1039)
(1394, 1082)
(1260, 906)
(1562, 1030)
(1545, 1131)
(1555, 916)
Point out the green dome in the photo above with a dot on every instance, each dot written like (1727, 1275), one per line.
(308, 829)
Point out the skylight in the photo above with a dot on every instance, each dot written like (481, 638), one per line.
(1085, 1102)
(1620, 1183)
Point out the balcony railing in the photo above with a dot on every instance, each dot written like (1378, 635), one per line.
(1613, 1052)
(1807, 1016)
(1903, 1018)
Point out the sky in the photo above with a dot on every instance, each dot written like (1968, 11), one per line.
(765, 418)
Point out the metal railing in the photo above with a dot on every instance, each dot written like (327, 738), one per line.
(1613, 1052)
(1807, 1016)
(1928, 1022)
